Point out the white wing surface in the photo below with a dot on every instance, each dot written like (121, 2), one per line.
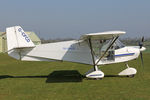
(102, 35)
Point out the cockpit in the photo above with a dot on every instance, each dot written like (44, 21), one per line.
(100, 46)
(110, 55)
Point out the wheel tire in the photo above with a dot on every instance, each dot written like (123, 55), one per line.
(99, 78)
(130, 76)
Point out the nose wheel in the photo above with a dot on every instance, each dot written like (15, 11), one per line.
(129, 72)
(130, 76)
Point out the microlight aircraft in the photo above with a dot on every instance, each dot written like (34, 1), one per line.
(95, 49)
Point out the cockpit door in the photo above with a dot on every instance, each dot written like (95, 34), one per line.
(110, 55)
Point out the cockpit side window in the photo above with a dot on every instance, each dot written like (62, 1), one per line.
(110, 53)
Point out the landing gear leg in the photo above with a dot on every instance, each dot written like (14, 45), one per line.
(127, 65)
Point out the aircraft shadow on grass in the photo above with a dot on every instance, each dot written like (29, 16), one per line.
(60, 76)
(64, 76)
(54, 77)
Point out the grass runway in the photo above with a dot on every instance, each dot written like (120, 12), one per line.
(64, 81)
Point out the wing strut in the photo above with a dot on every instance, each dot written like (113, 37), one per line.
(92, 53)
(112, 42)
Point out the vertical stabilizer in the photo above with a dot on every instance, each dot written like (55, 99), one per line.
(17, 38)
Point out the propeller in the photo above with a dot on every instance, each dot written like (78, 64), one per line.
(141, 45)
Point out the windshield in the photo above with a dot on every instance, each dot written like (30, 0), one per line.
(118, 44)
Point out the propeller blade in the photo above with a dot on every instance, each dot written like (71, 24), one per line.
(143, 39)
(141, 42)
(142, 62)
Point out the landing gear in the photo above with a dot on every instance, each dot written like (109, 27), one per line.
(129, 72)
(95, 73)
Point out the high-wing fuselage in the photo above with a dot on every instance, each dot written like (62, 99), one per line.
(74, 51)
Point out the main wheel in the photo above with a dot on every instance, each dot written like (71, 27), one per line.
(98, 78)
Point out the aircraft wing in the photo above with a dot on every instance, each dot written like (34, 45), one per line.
(110, 35)
(102, 35)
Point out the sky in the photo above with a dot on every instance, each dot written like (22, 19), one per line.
(52, 19)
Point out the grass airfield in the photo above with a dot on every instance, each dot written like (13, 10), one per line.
(64, 81)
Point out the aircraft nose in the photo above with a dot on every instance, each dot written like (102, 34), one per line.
(143, 49)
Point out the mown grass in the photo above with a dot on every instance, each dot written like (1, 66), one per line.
(64, 81)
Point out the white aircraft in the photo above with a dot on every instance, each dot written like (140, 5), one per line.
(93, 49)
